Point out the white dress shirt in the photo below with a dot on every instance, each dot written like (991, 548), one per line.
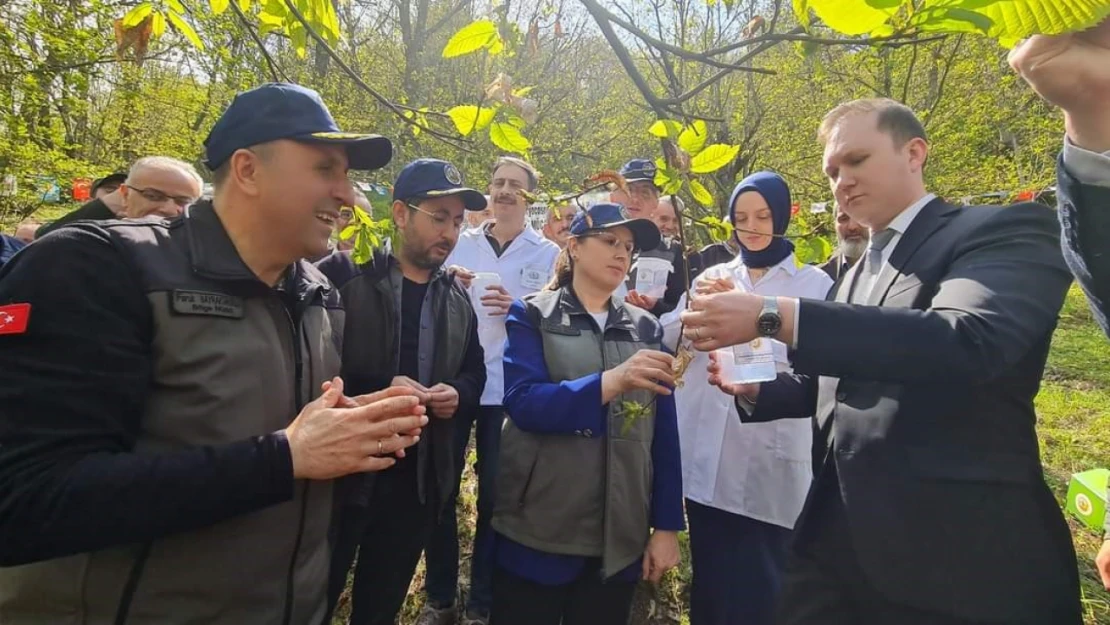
(899, 225)
(525, 267)
(758, 470)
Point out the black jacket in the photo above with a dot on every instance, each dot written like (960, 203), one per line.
(96, 210)
(371, 348)
(925, 401)
(1085, 233)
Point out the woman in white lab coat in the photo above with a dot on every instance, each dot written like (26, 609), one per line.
(744, 483)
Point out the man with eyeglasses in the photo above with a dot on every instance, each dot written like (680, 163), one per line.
(642, 201)
(409, 324)
(155, 185)
(160, 186)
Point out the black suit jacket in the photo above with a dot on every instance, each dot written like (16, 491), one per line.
(1085, 237)
(925, 399)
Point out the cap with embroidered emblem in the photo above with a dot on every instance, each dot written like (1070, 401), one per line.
(276, 111)
(606, 216)
(638, 170)
(431, 177)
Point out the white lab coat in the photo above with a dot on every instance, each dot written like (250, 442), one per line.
(525, 267)
(758, 470)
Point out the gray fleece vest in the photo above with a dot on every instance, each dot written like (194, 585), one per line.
(588, 493)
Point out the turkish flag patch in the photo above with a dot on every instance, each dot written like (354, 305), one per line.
(14, 318)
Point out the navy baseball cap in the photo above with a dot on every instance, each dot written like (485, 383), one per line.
(431, 177)
(638, 170)
(287, 111)
(605, 216)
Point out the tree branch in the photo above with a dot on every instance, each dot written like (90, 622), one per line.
(275, 72)
(394, 108)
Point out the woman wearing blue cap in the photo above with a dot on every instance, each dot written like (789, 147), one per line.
(589, 490)
(744, 483)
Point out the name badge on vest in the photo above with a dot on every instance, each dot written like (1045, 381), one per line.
(206, 303)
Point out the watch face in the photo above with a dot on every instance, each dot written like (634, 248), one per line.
(769, 324)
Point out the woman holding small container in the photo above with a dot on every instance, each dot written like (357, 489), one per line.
(589, 492)
(744, 483)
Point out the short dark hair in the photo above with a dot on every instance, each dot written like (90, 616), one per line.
(220, 174)
(533, 175)
(893, 118)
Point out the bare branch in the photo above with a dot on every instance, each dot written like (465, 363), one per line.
(275, 71)
(396, 109)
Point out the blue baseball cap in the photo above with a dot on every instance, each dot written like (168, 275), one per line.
(638, 170)
(606, 216)
(285, 111)
(431, 177)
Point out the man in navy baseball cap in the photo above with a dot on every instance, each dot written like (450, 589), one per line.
(279, 179)
(423, 335)
(642, 201)
(642, 198)
(286, 111)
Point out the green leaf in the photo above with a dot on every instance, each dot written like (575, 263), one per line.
(692, 138)
(177, 7)
(673, 187)
(517, 121)
(244, 5)
(329, 20)
(471, 38)
(348, 232)
(523, 91)
(713, 158)
(801, 11)
(186, 30)
(218, 6)
(299, 36)
(850, 17)
(157, 24)
(700, 193)
(884, 4)
(268, 23)
(663, 174)
(665, 129)
(822, 249)
(136, 15)
(469, 118)
(508, 138)
(1017, 19)
(956, 20)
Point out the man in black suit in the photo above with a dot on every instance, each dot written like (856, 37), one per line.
(931, 505)
(1073, 72)
(851, 245)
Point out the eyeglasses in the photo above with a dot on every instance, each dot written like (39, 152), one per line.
(612, 241)
(443, 222)
(158, 197)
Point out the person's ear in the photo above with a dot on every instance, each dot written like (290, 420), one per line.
(919, 154)
(246, 170)
(401, 213)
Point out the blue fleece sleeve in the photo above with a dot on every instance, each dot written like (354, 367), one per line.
(533, 401)
(666, 495)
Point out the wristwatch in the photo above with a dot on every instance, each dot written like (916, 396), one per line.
(769, 322)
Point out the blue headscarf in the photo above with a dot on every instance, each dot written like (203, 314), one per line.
(777, 195)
